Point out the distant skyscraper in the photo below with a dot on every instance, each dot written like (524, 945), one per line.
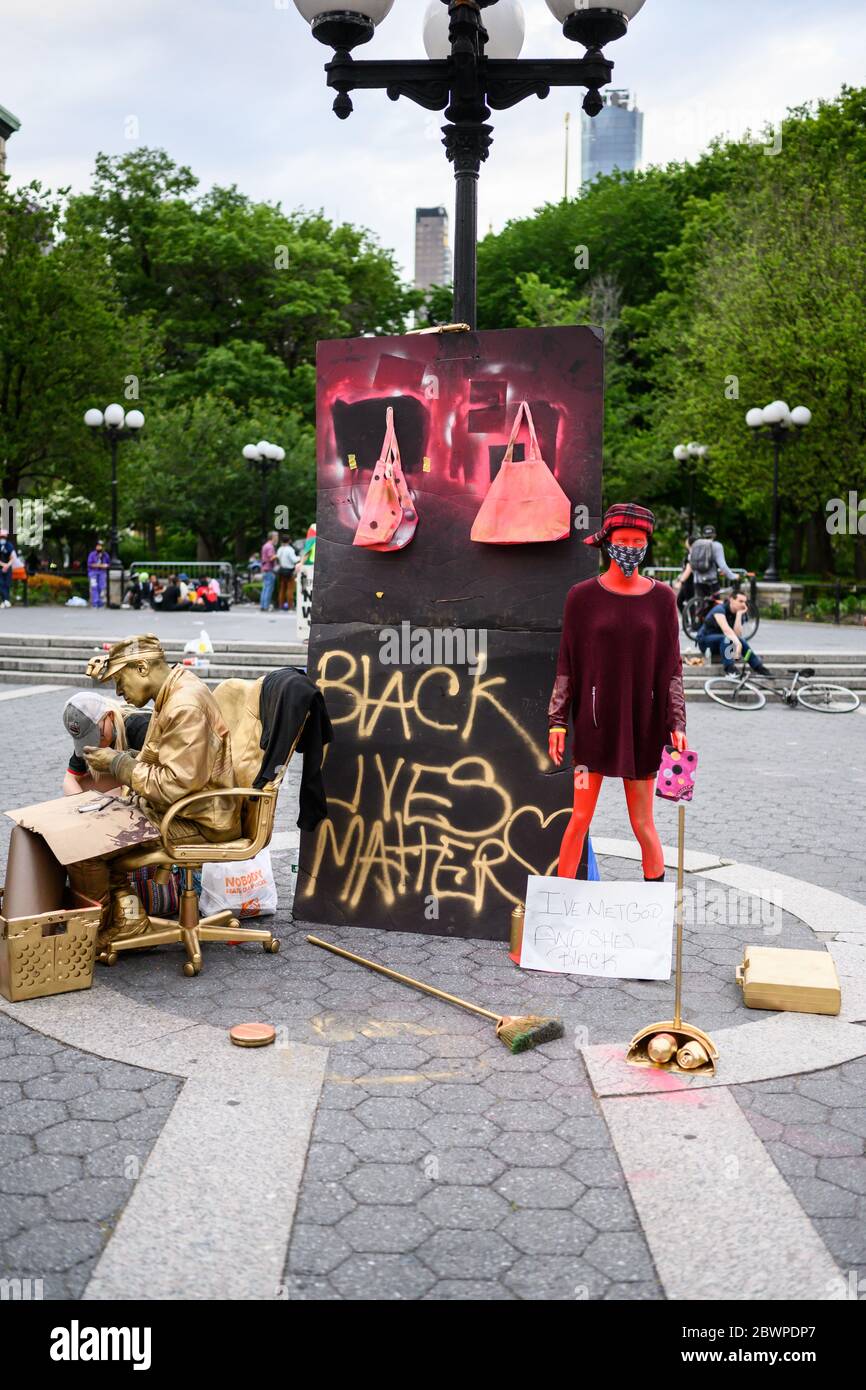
(432, 252)
(8, 126)
(613, 139)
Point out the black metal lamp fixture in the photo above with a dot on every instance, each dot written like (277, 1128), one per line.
(779, 424)
(691, 454)
(460, 79)
(115, 425)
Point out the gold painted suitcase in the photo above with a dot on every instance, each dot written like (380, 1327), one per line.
(801, 982)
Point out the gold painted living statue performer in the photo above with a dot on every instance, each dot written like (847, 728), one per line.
(187, 749)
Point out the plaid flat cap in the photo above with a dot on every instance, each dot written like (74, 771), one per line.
(623, 514)
(143, 648)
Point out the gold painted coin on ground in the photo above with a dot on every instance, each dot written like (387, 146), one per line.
(252, 1034)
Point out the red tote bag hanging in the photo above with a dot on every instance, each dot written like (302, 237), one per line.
(388, 519)
(525, 503)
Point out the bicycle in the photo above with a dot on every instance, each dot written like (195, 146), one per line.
(740, 693)
(695, 610)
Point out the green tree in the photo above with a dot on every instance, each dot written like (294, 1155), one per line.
(65, 344)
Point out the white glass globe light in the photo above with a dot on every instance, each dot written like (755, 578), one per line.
(134, 420)
(774, 413)
(93, 418)
(263, 448)
(561, 9)
(250, 452)
(505, 22)
(376, 10)
(755, 418)
(701, 451)
(681, 453)
(114, 415)
(801, 416)
(279, 453)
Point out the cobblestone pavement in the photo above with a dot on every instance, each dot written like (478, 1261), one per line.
(441, 1167)
(75, 1132)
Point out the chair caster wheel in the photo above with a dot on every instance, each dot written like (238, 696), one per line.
(107, 958)
(190, 969)
(233, 925)
(271, 947)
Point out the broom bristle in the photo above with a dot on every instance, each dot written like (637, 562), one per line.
(520, 1034)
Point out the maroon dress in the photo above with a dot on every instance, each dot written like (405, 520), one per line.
(620, 678)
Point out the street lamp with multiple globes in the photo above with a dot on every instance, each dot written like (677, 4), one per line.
(264, 456)
(471, 68)
(690, 454)
(115, 425)
(778, 423)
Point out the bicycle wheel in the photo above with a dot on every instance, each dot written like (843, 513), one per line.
(739, 695)
(828, 699)
(751, 621)
(691, 621)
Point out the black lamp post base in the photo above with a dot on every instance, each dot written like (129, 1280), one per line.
(595, 28)
(343, 30)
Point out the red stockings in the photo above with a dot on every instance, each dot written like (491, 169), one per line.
(639, 796)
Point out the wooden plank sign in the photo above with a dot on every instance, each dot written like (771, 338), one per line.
(621, 931)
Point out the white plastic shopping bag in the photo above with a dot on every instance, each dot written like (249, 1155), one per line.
(246, 886)
(199, 646)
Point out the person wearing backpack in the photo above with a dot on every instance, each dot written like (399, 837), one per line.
(705, 563)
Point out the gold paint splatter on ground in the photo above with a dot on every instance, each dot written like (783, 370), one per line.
(333, 1029)
(392, 1078)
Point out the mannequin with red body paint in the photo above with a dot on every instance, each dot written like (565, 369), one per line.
(619, 677)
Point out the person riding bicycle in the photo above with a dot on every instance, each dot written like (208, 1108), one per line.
(705, 563)
(721, 632)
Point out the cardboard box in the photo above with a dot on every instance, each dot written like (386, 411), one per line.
(51, 953)
(90, 826)
(802, 982)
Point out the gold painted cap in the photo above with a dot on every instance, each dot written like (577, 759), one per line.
(146, 647)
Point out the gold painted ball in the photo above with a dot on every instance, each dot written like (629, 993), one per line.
(661, 1048)
(691, 1056)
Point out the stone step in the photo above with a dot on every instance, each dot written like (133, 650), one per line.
(55, 640)
(12, 655)
(24, 667)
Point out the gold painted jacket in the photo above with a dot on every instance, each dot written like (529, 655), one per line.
(188, 749)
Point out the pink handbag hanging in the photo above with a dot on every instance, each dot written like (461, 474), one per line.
(388, 519)
(525, 503)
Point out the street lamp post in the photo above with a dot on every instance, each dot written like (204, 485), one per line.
(779, 424)
(690, 454)
(114, 425)
(460, 79)
(264, 456)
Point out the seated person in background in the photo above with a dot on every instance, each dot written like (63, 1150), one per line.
(187, 591)
(168, 598)
(132, 597)
(204, 598)
(721, 633)
(93, 719)
(214, 586)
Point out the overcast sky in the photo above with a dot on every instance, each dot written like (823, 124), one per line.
(235, 89)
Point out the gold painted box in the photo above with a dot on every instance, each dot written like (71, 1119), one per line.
(801, 982)
(51, 953)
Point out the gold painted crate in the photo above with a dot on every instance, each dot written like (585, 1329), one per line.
(51, 953)
(800, 982)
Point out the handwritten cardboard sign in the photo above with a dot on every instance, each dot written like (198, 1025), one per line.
(622, 931)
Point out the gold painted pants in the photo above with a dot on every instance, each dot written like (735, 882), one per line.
(105, 879)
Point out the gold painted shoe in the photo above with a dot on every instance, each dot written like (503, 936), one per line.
(128, 918)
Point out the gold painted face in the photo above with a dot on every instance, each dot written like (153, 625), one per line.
(133, 683)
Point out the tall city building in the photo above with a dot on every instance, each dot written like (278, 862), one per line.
(8, 126)
(432, 251)
(613, 139)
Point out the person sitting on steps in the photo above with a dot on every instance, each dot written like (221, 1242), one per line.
(721, 633)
